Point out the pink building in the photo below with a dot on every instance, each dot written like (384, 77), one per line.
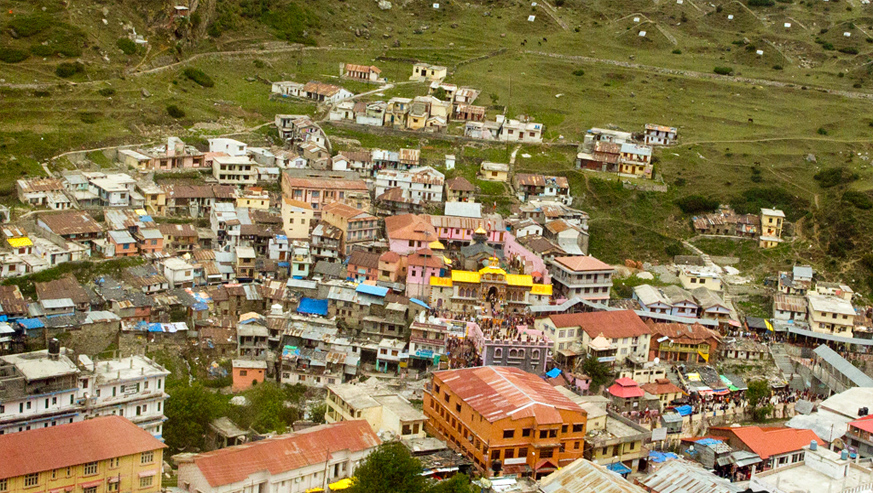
(408, 233)
(363, 266)
(420, 267)
(533, 263)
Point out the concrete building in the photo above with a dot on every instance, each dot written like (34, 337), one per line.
(582, 277)
(622, 331)
(46, 388)
(309, 459)
(382, 409)
(693, 277)
(357, 226)
(831, 315)
(504, 415)
(102, 454)
(620, 441)
(234, 170)
(772, 221)
(418, 184)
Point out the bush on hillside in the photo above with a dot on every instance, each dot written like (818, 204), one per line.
(175, 111)
(723, 70)
(751, 201)
(694, 204)
(106, 91)
(859, 199)
(849, 50)
(29, 25)
(68, 69)
(126, 45)
(831, 177)
(11, 55)
(578, 72)
(198, 76)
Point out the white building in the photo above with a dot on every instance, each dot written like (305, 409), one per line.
(310, 459)
(693, 277)
(423, 183)
(287, 88)
(516, 131)
(43, 388)
(230, 147)
(660, 135)
(179, 273)
(831, 315)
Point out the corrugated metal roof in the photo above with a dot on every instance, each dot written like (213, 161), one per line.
(855, 375)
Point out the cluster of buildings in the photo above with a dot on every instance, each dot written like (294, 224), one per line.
(624, 153)
(766, 227)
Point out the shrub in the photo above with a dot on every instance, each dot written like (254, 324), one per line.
(214, 30)
(674, 249)
(777, 67)
(761, 3)
(677, 51)
(259, 63)
(827, 45)
(11, 55)
(559, 3)
(578, 72)
(29, 25)
(849, 50)
(822, 131)
(723, 70)
(68, 69)
(126, 45)
(175, 111)
(88, 117)
(198, 76)
(693, 204)
(858, 199)
(106, 91)
(831, 177)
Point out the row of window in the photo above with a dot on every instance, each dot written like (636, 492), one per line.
(88, 469)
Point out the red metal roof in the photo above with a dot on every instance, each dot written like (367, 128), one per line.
(865, 424)
(497, 392)
(626, 388)
(613, 325)
(583, 263)
(67, 445)
(285, 452)
(772, 441)
(661, 386)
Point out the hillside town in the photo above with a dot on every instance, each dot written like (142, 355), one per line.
(401, 306)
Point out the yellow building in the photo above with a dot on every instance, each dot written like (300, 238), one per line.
(384, 410)
(101, 455)
(297, 217)
(254, 198)
(494, 171)
(465, 291)
(772, 221)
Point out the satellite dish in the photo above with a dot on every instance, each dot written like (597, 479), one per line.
(657, 360)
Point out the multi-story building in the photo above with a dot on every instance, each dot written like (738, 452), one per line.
(831, 315)
(860, 436)
(427, 339)
(583, 277)
(659, 134)
(772, 221)
(308, 460)
(296, 218)
(45, 388)
(71, 225)
(528, 186)
(459, 189)
(384, 410)
(320, 189)
(423, 184)
(174, 155)
(505, 417)
(234, 170)
(326, 243)
(683, 342)
(623, 331)
(357, 226)
(693, 277)
(43, 192)
(619, 441)
(106, 454)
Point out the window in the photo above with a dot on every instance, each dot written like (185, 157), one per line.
(112, 486)
(576, 445)
(147, 457)
(564, 429)
(544, 433)
(90, 469)
(243, 373)
(113, 463)
(495, 455)
(92, 489)
(553, 433)
(458, 407)
(526, 432)
(508, 433)
(578, 428)
(509, 453)
(522, 452)
(3, 485)
(54, 474)
(31, 480)
(547, 453)
(146, 481)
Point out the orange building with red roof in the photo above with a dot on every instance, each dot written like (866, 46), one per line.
(506, 416)
(777, 447)
(307, 459)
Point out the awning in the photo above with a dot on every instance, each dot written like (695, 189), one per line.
(91, 484)
(567, 353)
(115, 479)
(553, 373)
(723, 461)
(703, 355)
(342, 484)
(518, 469)
(619, 468)
(545, 465)
(315, 490)
(146, 474)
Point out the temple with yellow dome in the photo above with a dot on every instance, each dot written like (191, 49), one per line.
(467, 291)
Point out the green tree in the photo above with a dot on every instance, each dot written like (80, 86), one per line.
(758, 396)
(189, 411)
(267, 410)
(316, 412)
(389, 468)
(459, 483)
(599, 372)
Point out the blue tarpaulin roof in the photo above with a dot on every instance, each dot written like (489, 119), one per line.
(374, 290)
(200, 306)
(146, 219)
(619, 468)
(312, 306)
(284, 264)
(708, 441)
(659, 457)
(419, 302)
(553, 373)
(31, 323)
(683, 410)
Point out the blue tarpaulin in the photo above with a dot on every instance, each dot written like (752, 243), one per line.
(708, 441)
(312, 306)
(553, 373)
(31, 323)
(200, 306)
(146, 219)
(284, 264)
(618, 467)
(659, 457)
(373, 290)
(683, 410)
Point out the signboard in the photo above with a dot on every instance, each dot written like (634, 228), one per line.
(606, 359)
(515, 461)
(659, 434)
